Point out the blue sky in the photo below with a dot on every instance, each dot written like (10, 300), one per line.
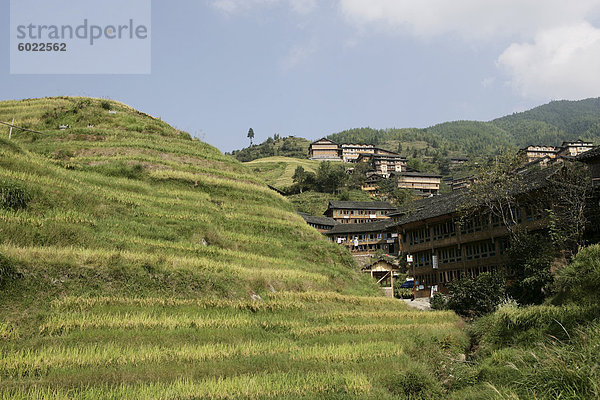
(310, 68)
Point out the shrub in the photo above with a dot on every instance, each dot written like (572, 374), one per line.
(580, 281)
(414, 384)
(403, 293)
(473, 297)
(13, 196)
(530, 259)
(439, 301)
(105, 104)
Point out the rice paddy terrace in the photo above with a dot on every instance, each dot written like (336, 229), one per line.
(136, 262)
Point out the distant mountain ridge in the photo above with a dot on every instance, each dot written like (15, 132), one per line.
(549, 124)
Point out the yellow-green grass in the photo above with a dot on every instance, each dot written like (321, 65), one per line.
(278, 171)
(149, 265)
(315, 344)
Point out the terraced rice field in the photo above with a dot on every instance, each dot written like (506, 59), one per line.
(133, 265)
(288, 345)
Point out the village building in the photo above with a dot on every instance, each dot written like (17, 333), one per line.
(351, 152)
(423, 183)
(384, 273)
(322, 224)
(367, 238)
(371, 184)
(384, 162)
(324, 150)
(567, 149)
(358, 212)
(573, 149)
(456, 162)
(448, 240)
(592, 160)
(462, 183)
(533, 152)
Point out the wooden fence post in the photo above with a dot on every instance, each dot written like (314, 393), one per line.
(10, 131)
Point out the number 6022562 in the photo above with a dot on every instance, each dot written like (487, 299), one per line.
(42, 47)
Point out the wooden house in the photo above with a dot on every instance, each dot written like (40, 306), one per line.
(384, 162)
(575, 148)
(351, 152)
(322, 224)
(533, 152)
(385, 273)
(358, 212)
(367, 238)
(448, 241)
(325, 149)
(423, 183)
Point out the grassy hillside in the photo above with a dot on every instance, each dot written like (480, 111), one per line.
(278, 171)
(132, 258)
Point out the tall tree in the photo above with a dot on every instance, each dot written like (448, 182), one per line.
(251, 135)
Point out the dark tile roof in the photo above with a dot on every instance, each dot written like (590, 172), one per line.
(432, 207)
(394, 266)
(329, 140)
(435, 206)
(311, 219)
(361, 205)
(589, 155)
(378, 226)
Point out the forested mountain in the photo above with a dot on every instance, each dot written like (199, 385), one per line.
(551, 124)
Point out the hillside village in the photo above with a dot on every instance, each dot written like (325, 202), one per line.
(443, 244)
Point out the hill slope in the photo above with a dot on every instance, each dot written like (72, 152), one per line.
(128, 257)
(278, 171)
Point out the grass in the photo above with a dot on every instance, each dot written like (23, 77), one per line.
(145, 264)
(278, 171)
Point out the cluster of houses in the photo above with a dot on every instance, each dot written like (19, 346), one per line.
(385, 164)
(444, 240)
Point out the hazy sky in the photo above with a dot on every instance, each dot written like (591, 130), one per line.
(310, 68)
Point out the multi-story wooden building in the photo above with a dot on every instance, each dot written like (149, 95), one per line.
(569, 149)
(322, 224)
(325, 149)
(351, 152)
(592, 160)
(371, 184)
(533, 152)
(358, 212)
(573, 149)
(462, 183)
(449, 240)
(456, 162)
(384, 162)
(424, 184)
(367, 238)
